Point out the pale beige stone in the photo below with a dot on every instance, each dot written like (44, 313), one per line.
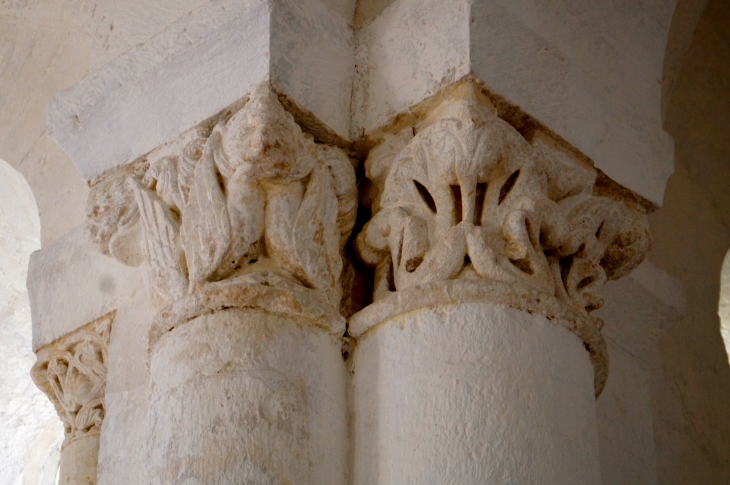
(79, 461)
(539, 61)
(31, 432)
(44, 48)
(691, 378)
(239, 226)
(254, 194)
(72, 373)
(468, 185)
(468, 290)
(470, 210)
(472, 393)
(366, 10)
(247, 396)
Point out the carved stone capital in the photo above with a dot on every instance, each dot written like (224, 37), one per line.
(469, 199)
(250, 200)
(72, 373)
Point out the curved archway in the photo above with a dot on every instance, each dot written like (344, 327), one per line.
(687, 14)
(691, 386)
(724, 306)
(32, 432)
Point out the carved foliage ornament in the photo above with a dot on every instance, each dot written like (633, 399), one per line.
(469, 197)
(72, 373)
(255, 195)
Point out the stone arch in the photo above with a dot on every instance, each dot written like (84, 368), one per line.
(724, 305)
(32, 432)
(687, 14)
(691, 238)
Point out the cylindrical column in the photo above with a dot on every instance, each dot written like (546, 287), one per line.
(246, 396)
(473, 393)
(240, 230)
(79, 460)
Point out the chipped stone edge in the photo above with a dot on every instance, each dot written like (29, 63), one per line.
(302, 304)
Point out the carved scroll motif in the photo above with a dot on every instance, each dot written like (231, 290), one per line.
(253, 195)
(72, 373)
(469, 197)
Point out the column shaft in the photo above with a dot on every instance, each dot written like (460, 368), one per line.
(242, 396)
(79, 460)
(473, 393)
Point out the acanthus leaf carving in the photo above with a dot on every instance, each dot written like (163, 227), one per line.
(72, 373)
(206, 227)
(160, 233)
(469, 197)
(255, 194)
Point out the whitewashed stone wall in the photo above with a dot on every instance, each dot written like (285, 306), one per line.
(31, 431)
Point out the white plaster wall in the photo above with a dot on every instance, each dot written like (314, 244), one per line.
(473, 393)
(588, 71)
(71, 284)
(407, 53)
(45, 47)
(30, 429)
(638, 309)
(198, 66)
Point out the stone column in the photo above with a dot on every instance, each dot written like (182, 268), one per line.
(239, 226)
(72, 372)
(478, 361)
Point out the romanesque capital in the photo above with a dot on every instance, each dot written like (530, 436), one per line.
(72, 372)
(467, 208)
(470, 197)
(248, 200)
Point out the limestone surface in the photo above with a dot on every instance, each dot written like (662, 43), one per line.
(255, 195)
(247, 396)
(450, 394)
(239, 229)
(31, 431)
(469, 198)
(591, 74)
(72, 374)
